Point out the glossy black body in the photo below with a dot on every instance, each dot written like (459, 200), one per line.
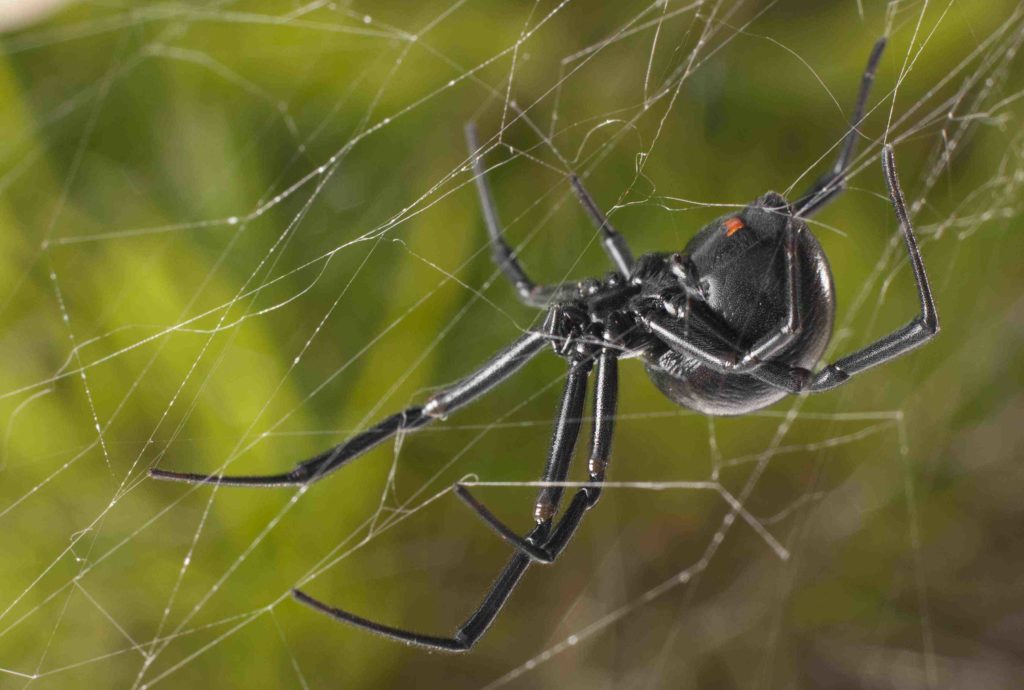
(744, 278)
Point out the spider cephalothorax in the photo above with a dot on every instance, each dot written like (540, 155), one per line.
(732, 323)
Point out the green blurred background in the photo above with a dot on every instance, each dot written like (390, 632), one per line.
(242, 230)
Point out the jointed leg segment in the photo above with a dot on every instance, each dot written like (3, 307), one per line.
(546, 551)
(531, 293)
(613, 242)
(563, 441)
(544, 542)
(917, 332)
(496, 370)
(467, 634)
(832, 183)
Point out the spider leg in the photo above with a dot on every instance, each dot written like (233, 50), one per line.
(468, 633)
(563, 441)
(918, 331)
(702, 341)
(696, 337)
(530, 293)
(774, 342)
(496, 370)
(832, 183)
(613, 242)
(605, 399)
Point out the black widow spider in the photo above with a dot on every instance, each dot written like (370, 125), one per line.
(731, 324)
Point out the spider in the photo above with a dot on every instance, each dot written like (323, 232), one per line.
(731, 324)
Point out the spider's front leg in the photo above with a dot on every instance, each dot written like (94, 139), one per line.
(543, 542)
(530, 293)
(493, 372)
(468, 633)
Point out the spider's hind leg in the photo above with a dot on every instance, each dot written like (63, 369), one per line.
(831, 184)
(919, 331)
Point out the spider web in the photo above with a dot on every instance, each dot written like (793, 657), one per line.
(234, 233)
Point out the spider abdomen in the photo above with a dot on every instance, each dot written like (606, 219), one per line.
(740, 261)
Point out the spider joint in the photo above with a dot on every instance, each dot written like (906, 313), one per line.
(748, 363)
(543, 511)
(434, 407)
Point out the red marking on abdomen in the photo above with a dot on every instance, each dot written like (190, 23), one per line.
(732, 226)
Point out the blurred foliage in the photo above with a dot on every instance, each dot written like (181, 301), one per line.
(242, 230)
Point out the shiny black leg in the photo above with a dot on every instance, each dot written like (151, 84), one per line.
(709, 344)
(917, 332)
(605, 399)
(832, 183)
(529, 292)
(613, 242)
(563, 440)
(779, 339)
(563, 443)
(695, 336)
(468, 633)
(499, 368)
